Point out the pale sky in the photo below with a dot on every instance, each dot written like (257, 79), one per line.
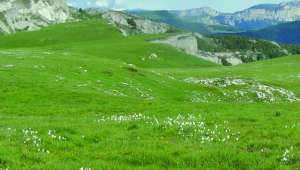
(220, 5)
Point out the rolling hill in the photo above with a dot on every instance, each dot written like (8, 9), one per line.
(80, 95)
(115, 91)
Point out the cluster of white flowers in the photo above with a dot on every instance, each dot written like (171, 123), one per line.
(17, 53)
(292, 126)
(156, 73)
(31, 138)
(152, 56)
(131, 65)
(268, 93)
(186, 125)
(287, 155)
(53, 135)
(141, 93)
(59, 78)
(47, 52)
(82, 69)
(123, 118)
(194, 126)
(9, 132)
(144, 94)
(39, 66)
(204, 97)
(84, 168)
(82, 85)
(114, 93)
(171, 77)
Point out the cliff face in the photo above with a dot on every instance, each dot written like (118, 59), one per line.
(263, 15)
(217, 50)
(255, 17)
(212, 21)
(20, 15)
(129, 24)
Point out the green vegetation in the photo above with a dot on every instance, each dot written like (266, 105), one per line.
(80, 95)
(132, 23)
(292, 48)
(264, 49)
(2, 19)
(85, 14)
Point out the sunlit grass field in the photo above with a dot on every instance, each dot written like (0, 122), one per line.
(82, 96)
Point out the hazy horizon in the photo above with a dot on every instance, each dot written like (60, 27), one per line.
(219, 5)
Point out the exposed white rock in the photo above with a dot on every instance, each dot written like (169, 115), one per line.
(202, 15)
(218, 82)
(153, 56)
(129, 24)
(211, 49)
(234, 61)
(31, 14)
(242, 90)
(151, 27)
(188, 43)
(124, 32)
(4, 28)
(116, 17)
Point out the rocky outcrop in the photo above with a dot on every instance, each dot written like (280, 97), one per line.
(198, 15)
(188, 43)
(245, 91)
(205, 48)
(129, 24)
(20, 15)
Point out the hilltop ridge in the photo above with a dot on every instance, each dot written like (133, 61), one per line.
(16, 15)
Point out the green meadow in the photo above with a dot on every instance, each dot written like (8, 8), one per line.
(81, 96)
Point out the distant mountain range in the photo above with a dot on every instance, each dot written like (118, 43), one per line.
(208, 20)
(288, 33)
(198, 20)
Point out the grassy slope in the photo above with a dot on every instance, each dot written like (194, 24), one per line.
(65, 77)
